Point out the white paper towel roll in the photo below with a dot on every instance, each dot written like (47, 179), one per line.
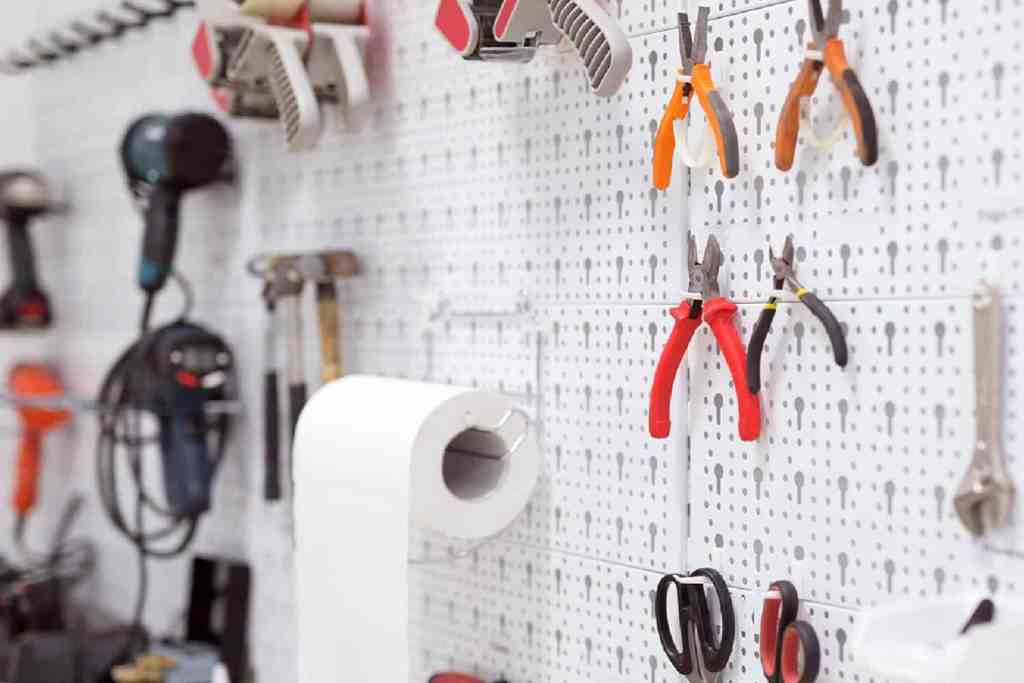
(370, 454)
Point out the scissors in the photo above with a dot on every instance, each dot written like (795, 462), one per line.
(790, 652)
(700, 659)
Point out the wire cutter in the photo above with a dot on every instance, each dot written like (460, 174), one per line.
(695, 75)
(785, 274)
(699, 658)
(717, 312)
(826, 50)
(790, 651)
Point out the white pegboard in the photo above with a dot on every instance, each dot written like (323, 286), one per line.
(480, 183)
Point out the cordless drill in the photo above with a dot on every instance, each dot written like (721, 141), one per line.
(23, 197)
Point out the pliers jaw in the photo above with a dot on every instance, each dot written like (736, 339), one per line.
(693, 46)
(825, 27)
(783, 266)
(704, 273)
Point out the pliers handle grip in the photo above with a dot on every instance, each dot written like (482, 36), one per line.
(855, 100)
(764, 325)
(660, 418)
(718, 314)
(719, 118)
(665, 142)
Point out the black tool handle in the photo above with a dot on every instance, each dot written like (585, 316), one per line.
(832, 327)
(756, 347)
(188, 472)
(22, 256)
(272, 438)
(161, 238)
(716, 657)
(296, 402)
(804, 665)
(681, 658)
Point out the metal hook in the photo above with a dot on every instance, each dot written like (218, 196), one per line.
(516, 445)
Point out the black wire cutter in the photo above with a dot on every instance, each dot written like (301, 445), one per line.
(785, 274)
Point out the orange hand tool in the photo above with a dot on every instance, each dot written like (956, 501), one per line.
(31, 383)
(827, 50)
(695, 76)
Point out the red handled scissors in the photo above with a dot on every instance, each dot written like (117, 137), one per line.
(717, 312)
(790, 652)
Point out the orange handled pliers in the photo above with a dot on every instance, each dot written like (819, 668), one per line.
(827, 50)
(695, 76)
(718, 312)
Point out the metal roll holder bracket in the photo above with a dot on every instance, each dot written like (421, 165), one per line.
(427, 541)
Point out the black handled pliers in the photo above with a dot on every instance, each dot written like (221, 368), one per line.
(785, 274)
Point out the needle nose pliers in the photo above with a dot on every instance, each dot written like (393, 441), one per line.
(717, 312)
(695, 76)
(785, 274)
(826, 50)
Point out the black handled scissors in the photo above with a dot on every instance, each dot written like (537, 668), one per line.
(699, 658)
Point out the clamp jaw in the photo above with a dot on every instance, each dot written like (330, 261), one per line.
(267, 67)
(496, 30)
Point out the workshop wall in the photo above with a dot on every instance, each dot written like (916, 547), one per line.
(490, 186)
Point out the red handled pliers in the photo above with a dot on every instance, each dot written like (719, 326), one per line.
(717, 312)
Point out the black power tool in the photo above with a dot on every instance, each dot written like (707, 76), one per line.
(23, 197)
(184, 368)
(164, 157)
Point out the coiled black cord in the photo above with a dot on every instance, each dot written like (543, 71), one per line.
(121, 437)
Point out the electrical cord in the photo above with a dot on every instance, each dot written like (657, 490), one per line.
(67, 559)
(121, 399)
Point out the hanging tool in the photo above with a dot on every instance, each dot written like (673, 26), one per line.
(283, 60)
(496, 30)
(324, 269)
(31, 386)
(24, 196)
(985, 496)
(271, 412)
(183, 367)
(695, 76)
(164, 157)
(826, 50)
(284, 277)
(600, 42)
(698, 658)
(717, 312)
(784, 268)
(288, 284)
(790, 652)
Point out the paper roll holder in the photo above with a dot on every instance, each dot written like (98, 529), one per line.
(496, 429)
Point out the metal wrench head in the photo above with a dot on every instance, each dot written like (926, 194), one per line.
(984, 500)
(825, 27)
